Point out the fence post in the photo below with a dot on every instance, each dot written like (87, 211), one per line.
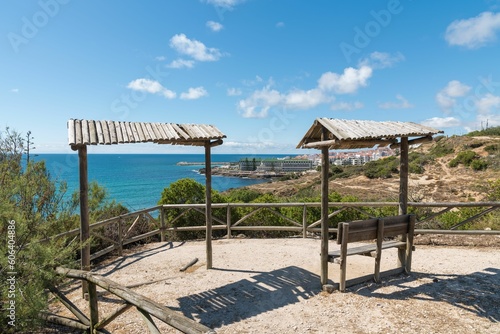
(228, 221)
(304, 221)
(162, 224)
(120, 237)
(94, 311)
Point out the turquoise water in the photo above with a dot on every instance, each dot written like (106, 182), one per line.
(137, 180)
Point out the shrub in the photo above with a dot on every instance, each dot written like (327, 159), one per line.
(479, 164)
(441, 149)
(492, 149)
(465, 158)
(383, 168)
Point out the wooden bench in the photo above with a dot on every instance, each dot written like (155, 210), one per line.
(377, 229)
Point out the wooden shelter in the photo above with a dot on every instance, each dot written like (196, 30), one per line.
(89, 132)
(328, 134)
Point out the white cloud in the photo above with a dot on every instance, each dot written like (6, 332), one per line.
(194, 93)
(14, 90)
(280, 25)
(234, 92)
(349, 106)
(348, 82)
(214, 26)
(160, 58)
(488, 104)
(193, 48)
(401, 104)
(380, 60)
(475, 32)
(305, 99)
(258, 104)
(447, 97)
(181, 63)
(229, 4)
(151, 86)
(446, 122)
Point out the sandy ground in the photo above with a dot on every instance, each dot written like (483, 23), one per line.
(273, 286)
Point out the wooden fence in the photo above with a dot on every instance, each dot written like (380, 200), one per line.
(145, 306)
(155, 218)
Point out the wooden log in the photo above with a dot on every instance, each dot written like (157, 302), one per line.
(228, 221)
(192, 262)
(378, 256)
(161, 312)
(59, 320)
(163, 236)
(403, 191)
(84, 214)
(93, 306)
(343, 256)
(325, 168)
(107, 320)
(153, 329)
(70, 306)
(208, 203)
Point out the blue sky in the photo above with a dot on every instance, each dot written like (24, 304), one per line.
(259, 70)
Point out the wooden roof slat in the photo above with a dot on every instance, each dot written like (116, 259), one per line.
(91, 132)
(119, 134)
(353, 134)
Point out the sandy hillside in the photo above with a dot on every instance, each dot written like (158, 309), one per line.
(272, 286)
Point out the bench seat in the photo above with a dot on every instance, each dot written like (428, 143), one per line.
(366, 249)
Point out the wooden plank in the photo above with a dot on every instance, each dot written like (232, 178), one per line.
(150, 131)
(78, 132)
(119, 134)
(70, 306)
(147, 136)
(130, 133)
(409, 243)
(57, 319)
(71, 132)
(93, 133)
(85, 132)
(135, 130)
(366, 249)
(107, 320)
(100, 133)
(106, 133)
(123, 128)
(156, 131)
(112, 132)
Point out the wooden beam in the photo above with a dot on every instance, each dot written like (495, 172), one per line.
(403, 193)
(84, 214)
(208, 203)
(413, 141)
(335, 143)
(325, 168)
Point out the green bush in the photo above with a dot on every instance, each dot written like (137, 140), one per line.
(479, 164)
(494, 131)
(492, 149)
(465, 158)
(382, 168)
(441, 149)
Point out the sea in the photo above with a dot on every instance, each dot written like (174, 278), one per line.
(137, 180)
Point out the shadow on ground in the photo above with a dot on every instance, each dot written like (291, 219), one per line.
(478, 292)
(249, 297)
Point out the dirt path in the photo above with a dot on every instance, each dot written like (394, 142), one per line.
(272, 286)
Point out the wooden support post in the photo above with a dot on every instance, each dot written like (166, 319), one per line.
(378, 255)
(162, 225)
(343, 255)
(409, 243)
(325, 167)
(84, 214)
(403, 193)
(403, 177)
(94, 310)
(228, 221)
(304, 221)
(208, 203)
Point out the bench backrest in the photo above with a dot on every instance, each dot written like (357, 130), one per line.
(363, 230)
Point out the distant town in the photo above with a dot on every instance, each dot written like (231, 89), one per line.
(255, 167)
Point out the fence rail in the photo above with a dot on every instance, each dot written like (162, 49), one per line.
(159, 219)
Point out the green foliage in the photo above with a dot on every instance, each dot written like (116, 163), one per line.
(492, 149)
(382, 168)
(188, 191)
(241, 195)
(417, 161)
(29, 213)
(494, 131)
(344, 172)
(469, 159)
(441, 149)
